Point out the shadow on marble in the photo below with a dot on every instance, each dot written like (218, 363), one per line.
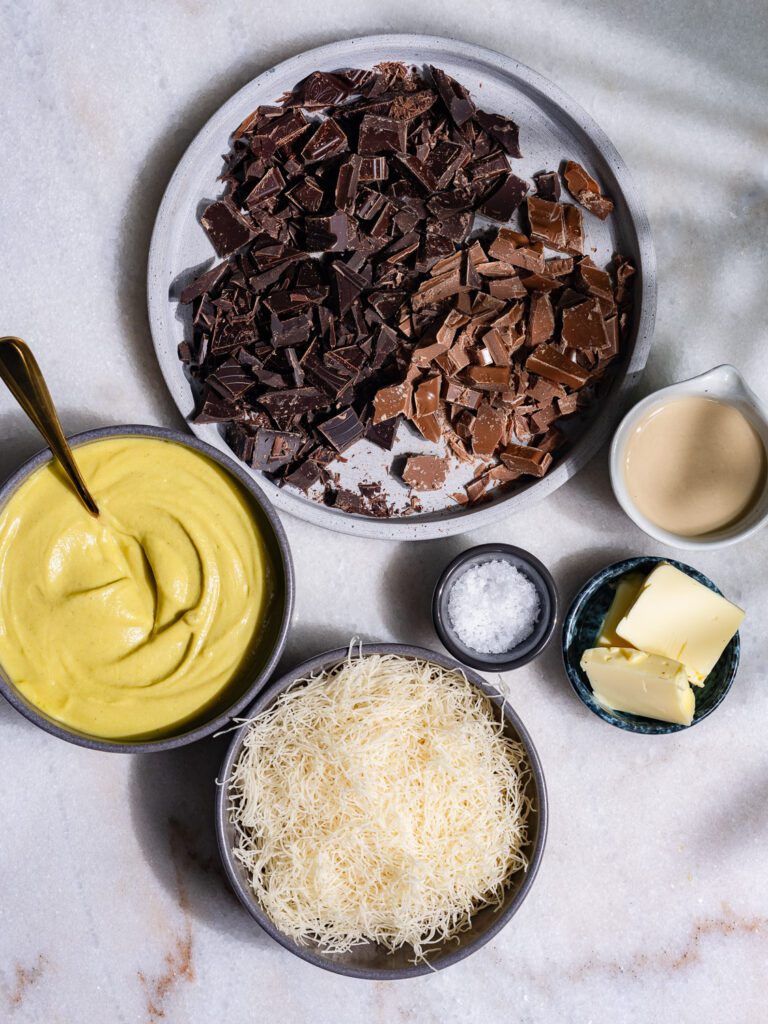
(172, 802)
(307, 641)
(19, 440)
(407, 585)
(144, 200)
(737, 825)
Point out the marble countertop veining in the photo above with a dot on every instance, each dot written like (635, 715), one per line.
(652, 901)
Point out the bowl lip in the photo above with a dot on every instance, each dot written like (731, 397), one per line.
(17, 478)
(449, 522)
(692, 386)
(613, 571)
(326, 660)
(477, 661)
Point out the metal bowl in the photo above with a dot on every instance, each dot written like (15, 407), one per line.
(552, 127)
(371, 961)
(527, 649)
(278, 624)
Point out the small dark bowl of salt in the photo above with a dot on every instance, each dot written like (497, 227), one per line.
(495, 607)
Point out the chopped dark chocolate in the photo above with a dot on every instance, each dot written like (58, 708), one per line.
(456, 98)
(343, 429)
(504, 130)
(227, 229)
(381, 135)
(329, 140)
(548, 185)
(502, 203)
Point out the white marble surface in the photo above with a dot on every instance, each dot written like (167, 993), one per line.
(652, 902)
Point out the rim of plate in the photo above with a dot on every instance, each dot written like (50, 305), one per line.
(446, 522)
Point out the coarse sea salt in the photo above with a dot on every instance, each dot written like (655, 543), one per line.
(493, 607)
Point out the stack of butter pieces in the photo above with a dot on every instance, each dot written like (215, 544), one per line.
(662, 633)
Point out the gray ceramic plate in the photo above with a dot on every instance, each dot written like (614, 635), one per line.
(582, 623)
(552, 127)
(370, 960)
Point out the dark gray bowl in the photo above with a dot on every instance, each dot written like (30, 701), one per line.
(371, 961)
(533, 645)
(582, 624)
(277, 625)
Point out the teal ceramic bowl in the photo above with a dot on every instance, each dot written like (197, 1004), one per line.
(582, 624)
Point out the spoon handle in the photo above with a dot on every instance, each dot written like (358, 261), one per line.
(24, 379)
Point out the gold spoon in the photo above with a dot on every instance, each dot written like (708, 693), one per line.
(22, 375)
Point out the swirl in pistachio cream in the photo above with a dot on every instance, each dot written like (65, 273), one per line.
(131, 624)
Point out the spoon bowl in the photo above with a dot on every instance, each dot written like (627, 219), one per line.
(24, 379)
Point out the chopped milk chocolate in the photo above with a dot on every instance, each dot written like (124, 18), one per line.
(586, 190)
(425, 472)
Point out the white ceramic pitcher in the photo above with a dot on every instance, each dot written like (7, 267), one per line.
(725, 384)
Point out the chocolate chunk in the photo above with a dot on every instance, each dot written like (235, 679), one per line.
(506, 199)
(525, 459)
(269, 185)
(429, 427)
(487, 430)
(214, 410)
(491, 378)
(230, 380)
(334, 233)
(427, 396)
(321, 89)
(504, 130)
(383, 434)
(288, 127)
(207, 282)
(594, 281)
(548, 185)
(455, 97)
(373, 168)
(348, 286)
(307, 194)
(445, 160)
(347, 183)
(541, 319)
(425, 472)
(329, 140)
(343, 429)
(583, 326)
(574, 231)
(381, 135)
(391, 401)
(304, 476)
(457, 394)
(551, 364)
(547, 222)
(285, 405)
(410, 105)
(586, 190)
(227, 229)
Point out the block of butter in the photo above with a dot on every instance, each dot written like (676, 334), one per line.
(624, 597)
(624, 679)
(677, 617)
